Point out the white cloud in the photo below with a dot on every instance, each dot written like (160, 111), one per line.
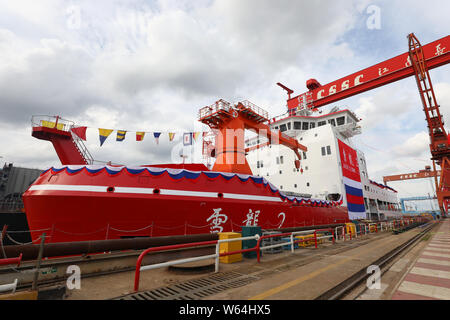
(416, 146)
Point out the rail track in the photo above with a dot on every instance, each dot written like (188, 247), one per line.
(344, 288)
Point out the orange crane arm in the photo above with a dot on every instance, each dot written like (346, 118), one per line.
(231, 122)
(411, 176)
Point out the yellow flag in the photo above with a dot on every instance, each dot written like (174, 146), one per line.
(171, 135)
(103, 134)
(140, 136)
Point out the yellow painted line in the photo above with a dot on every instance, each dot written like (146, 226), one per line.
(309, 276)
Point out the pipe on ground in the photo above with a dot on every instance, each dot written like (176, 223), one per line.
(30, 251)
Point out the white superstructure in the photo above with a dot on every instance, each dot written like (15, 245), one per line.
(320, 175)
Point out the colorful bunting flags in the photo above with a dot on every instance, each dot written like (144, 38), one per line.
(104, 134)
(187, 139)
(80, 132)
(140, 136)
(121, 135)
(156, 135)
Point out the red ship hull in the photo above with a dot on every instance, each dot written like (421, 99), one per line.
(79, 203)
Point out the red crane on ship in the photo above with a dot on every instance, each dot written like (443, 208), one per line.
(231, 122)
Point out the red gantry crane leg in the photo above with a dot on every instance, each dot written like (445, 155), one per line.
(439, 144)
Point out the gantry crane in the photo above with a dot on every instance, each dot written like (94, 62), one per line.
(439, 140)
(422, 174)
(231, 121)
(416, 62)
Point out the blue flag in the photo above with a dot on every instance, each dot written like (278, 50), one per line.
(187, 139)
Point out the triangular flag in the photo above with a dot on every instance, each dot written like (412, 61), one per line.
(80, 132)
(121, 135)
(171, 135)
(195, 135)
(156, 135)
(104, 133)
(187, 139)
(140, 136)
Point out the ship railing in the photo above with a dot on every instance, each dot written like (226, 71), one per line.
(56, 122)
(317, 235)
(292, 242)
(53, 122)
(256, 109)
(9, 286)
(214, 108)
(368, 228)
(215, 256)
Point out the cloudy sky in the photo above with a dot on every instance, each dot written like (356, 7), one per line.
(150, 65)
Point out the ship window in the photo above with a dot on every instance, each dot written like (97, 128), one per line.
(333, 122)
(312, 125)
(278, 160)
(295, 186)
(307, 184)
(281, 159)
(281, 172)
(276, 128)
(281, 187)
(289, 125)
(262, 164)
(306, 168)
(283, 128)
(328, 150)
(323, 151)
(340, 121)
(297, 125)
(321, 123)
(257, 164)
(304, 156)
(305, 126)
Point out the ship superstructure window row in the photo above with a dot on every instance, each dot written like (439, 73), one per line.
(312, 123)
(326, 150)
(280, 160)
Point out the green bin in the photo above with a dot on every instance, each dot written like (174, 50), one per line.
(248, 231)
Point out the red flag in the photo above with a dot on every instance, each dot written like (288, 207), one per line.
(80, 132)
